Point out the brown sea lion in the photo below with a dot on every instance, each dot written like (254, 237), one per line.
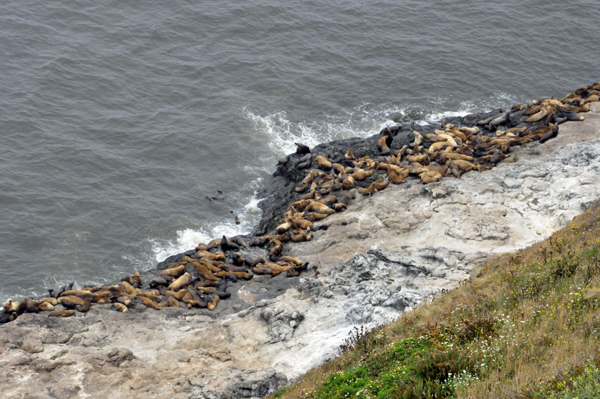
(85, 307)
(177, 294)
(119, 307)
(128, 288)
(125, 300)
(10, 306)
(180, 282)
(45, 306)
(211, 256)
(27, 306)
(70, 302)
(204, 271)
(174, 271)
(50, 300)
(240, 275)
(315, 216)
(348, 183)
(319, 208)
(430, 176)
(299, 236)
(148, 303)
(276, 248)
(362, 174)
(61, 313)
(418, 139)
(323, 163)
(383, 146)
(338, 207)
(213, 301)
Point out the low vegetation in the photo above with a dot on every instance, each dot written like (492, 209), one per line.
(527, 326)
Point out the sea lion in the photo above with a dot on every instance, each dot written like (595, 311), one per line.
(367, 191)
(27, 306)
(382, 144)
(259, 242)
(168, 302)
(582, 108)
(125, 300)
(204, 271)
(465, 166)
(180, 282)
(61, 313)
(301, 224)
(469, 130)
(450, 139)
(499, 120)
(550, 135)
(45, 306)
(315, 216)
(304, 162)
(362, 174)
(148, 303)
(302, 149)
(253, 262)
(395, 177)
(160, 281)
(348, 183)
(174, 271)
(276, 249)
(418, 139)
(430, 176)
(541, 114)
(455, 155)
(240, 275)
(119, 307)
(421, 158)
(10, 306)
(323, 163)
(338, 207)
(71, 302)
(232, 269)
(437, 146)
(289, 259)
(278, 268)
(176, 294)
(76, 293)
(213, 301)
(380, 185)
(238, 260)
(210, 255)
(297, 236)
(128, 288)
(227, 245)
(319, 208)
(85, 307)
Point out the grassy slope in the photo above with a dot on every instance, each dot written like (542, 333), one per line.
(528, 326)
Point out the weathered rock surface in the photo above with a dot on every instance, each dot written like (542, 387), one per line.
(382, 256)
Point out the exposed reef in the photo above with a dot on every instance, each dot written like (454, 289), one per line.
(387, 221)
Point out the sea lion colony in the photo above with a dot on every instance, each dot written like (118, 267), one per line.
(199, 278)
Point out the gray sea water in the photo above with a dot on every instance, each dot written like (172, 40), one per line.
(118, 119)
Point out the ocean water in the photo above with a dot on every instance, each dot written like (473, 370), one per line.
(119, 119)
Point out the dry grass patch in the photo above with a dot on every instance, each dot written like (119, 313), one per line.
(528, 326)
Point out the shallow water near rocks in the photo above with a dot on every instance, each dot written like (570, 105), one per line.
(118, 120)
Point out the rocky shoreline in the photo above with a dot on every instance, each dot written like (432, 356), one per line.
(382, 255)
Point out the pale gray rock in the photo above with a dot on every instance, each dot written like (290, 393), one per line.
(282, 319)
